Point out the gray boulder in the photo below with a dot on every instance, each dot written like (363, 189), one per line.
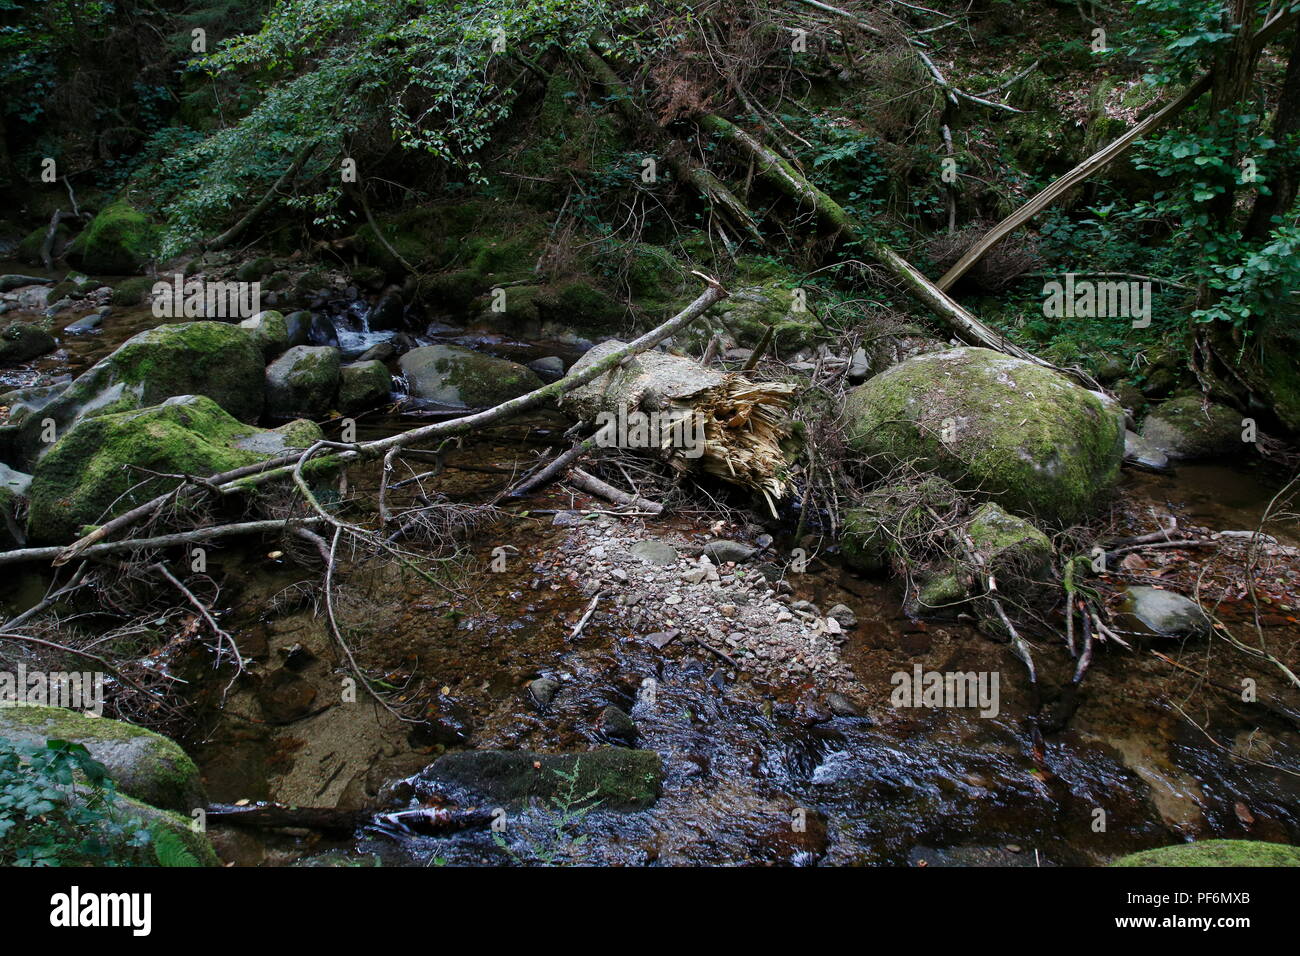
(303, 382)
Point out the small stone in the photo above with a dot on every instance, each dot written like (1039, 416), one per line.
(844, 615)
(543, 691)
(616, 726)
(661, 639)
(655, 552)
(566, 519)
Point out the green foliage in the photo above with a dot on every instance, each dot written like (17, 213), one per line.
(432, 76)
(568, 810)
(58, 807)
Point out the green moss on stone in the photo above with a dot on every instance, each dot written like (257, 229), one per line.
(1216, 853)
(120, 240)
(994, 425)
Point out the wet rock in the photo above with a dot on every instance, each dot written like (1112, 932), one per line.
(379, 352)
(285, 697)
(621, 778)
(87, 323)
(389, 313)
(661, 639)
(722, 551)
(566, 519)
(144, 765)
(321, 331)
(1167, 613)
(997, 426)
(616, 726)
(1144, 454)
(655, 552)
(543, 691)
(456, 376)
(363, 385)
(303, 382)
(298, 328)
(22, 343)
(85, 477)
(548, 369)
(1184, 428)
(10, 282)
(842, 706)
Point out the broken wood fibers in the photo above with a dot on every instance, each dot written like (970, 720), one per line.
(744, 422)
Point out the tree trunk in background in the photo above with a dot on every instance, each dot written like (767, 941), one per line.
(1283, 182)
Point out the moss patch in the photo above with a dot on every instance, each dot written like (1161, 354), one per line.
(1216, 853)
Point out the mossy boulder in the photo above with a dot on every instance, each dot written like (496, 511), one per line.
(29, 249)
(566, 310)
(749, 311)
(134, 291)
(459, 377)
(303, 382)
(120, 240)
(21, 342)
(1216, 853)
(74, 285)
(86, 477)
(143, 764)
(621, 778)
(363, 385)
(213, 359)
(996, 426)
(1011, 548)
(1186, 427)
(270, 332)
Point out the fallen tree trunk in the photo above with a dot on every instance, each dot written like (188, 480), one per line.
(603, 489)
(251, 476)
(709, 186)
(783, 176)
(1101, 159)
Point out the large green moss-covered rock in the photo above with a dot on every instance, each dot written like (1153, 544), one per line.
(85, 477)
(621, 779)
(214, 359)
(120, 240)
(1216, 853)
(143, 764)
(460, 377)
(994, 425)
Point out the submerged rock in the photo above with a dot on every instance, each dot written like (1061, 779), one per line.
(143, 764)
(1168, 613)
(621, 778)
(460, 377)
(1186, 428)
(303, 382)
(1215, 853)
(1142, 453)
(996, 426)
(85, 477)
